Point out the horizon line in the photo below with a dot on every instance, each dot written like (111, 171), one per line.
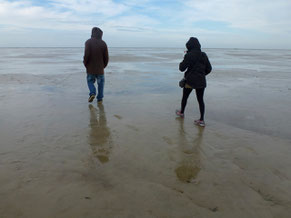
(145, 47)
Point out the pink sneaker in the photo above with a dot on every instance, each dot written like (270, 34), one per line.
(199, 123)
(178, 113)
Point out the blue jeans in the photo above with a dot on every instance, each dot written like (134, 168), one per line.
(91, 78)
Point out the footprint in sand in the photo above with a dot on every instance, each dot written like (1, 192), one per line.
(279, 174)
(267, 196)
(132, 127)
(168, 140)
(118, 117)
(189, 152)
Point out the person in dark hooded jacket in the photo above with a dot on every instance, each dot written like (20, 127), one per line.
(95, 60)
(197, 66)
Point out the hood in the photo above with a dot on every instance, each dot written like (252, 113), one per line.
(96, 33)
(193, 43)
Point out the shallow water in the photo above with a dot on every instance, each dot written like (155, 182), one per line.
(69, 60)
(249, 89)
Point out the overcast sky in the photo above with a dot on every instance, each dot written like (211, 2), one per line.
(147, 23)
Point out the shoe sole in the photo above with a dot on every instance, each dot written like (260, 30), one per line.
(199, 124)
(91, 98)
(182, 116)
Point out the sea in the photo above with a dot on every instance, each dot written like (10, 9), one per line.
(40, 61)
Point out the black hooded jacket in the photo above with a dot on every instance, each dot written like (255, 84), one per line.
(196, 64)
(96, 53)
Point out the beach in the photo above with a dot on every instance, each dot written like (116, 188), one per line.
(131, 156)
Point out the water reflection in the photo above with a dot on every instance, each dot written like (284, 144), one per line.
(190, 164)
(99, 134)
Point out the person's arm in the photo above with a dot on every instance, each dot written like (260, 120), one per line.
(184, 64)
(105, 56)
(86, 54)
(208, 67)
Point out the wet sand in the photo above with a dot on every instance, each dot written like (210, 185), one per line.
(131, 157)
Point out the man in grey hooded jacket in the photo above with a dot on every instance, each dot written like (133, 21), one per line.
(95, 60)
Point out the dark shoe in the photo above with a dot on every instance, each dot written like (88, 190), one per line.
(91, 98)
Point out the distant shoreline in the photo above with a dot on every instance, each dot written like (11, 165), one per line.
(280, 49)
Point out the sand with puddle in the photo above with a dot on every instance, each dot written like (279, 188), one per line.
(131, 157)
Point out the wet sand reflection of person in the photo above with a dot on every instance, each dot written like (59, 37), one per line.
(99, 135)
(190, 165)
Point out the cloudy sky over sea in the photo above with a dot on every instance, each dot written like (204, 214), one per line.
(147, 23)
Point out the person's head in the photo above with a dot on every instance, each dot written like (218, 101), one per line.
(193, 43)
(96, 33)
